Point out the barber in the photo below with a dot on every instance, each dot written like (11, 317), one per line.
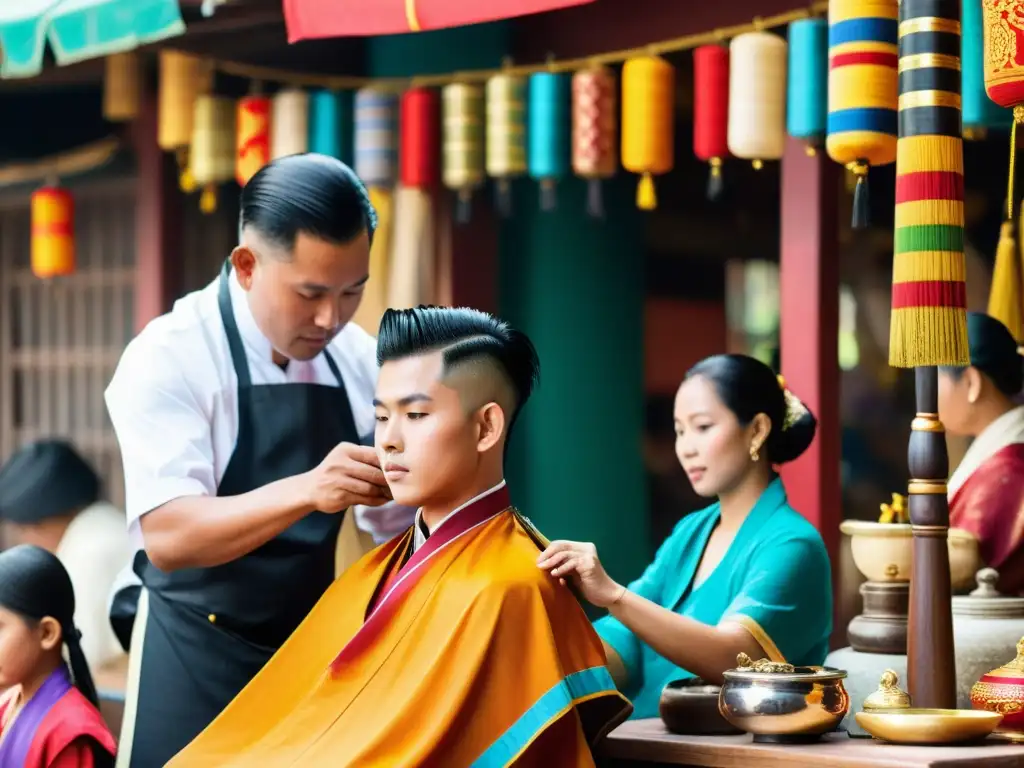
(239, 416)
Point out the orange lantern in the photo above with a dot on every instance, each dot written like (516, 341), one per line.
(253, 149)
(53, 232)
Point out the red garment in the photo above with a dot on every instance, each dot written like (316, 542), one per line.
(72, 735)
(990, 505)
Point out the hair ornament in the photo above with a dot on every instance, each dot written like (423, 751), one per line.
(794, 408)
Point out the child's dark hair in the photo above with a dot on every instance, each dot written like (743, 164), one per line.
(34, 585)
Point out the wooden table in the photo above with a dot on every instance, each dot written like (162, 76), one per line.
(643, 743)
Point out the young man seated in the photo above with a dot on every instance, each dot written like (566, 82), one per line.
(447, 646)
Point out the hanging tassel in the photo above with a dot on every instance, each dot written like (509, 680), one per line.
(716, 184)
(646, 198)
(464, 206)
(548, 197)
(186, 181)
(861, 201)
(595, 199)
(208, 200)
(504, 193)
(1004, 298)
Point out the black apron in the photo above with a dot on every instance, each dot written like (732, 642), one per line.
(210, 630)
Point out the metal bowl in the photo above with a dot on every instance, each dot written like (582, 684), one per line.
(691, 707)
(785, 707)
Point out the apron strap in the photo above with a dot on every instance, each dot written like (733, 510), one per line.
(227, 316)
(334, 368)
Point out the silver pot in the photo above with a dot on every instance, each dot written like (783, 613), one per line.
(986, 629)
(791, 705)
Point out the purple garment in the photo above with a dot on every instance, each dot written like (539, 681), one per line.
(18, 740)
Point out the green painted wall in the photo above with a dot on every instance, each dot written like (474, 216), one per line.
(576, 286)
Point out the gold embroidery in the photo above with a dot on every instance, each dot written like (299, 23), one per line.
(1001, 40)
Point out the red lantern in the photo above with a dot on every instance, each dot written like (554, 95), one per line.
(419, 151)
(711, 110)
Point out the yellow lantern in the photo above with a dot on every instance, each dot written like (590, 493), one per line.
(182, 78)
(53, 232)
(506, 134)
(463, 142)
(212, 156)
(648, 113)
(121, 87)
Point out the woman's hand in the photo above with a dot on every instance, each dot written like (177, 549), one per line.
(578, 562)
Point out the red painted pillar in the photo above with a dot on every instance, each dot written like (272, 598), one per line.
(158, 220)
(809, 334)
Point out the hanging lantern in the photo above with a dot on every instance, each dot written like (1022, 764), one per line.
(376, 140)
(593, 131)
(807, 93)
(928, 326)
(253, 144)
(463, 149)
(862, 91)
(980, 112)
(648, 112)
(122, 85)
(53, 232)
(183, 77)
(212, 155)
(506, 134)
(711, 111)
(757, 97)
(419, 124)
(549, 132)
(330, 124)
(289, 123)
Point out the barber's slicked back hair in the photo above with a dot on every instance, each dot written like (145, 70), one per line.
(463, 334)
(310, 193)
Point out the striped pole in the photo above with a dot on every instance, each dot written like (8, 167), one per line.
(929, 322)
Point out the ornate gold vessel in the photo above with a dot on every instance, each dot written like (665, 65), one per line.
(889, 695)
(1002, 691)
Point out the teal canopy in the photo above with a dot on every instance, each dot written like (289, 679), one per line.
(79, 30)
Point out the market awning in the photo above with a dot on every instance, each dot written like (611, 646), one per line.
(79, 30)
(308, 19)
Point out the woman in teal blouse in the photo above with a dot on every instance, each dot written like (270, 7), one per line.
(747, 574)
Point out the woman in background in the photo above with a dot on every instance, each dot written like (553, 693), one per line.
(747, 574)
(48, 713)
(986, 492)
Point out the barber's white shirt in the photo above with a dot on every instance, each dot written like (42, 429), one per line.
(173, 403)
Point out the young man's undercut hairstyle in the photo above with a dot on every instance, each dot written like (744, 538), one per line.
(463, 335)
(313, 194)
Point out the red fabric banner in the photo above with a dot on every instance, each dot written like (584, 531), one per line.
(307, 19)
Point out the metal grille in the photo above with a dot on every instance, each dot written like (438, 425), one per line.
(60, 340)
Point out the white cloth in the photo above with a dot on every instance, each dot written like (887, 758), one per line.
(173, 402)
(94, 550)
(419, 535)
(1006, 430)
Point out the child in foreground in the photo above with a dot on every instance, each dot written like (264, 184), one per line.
(48, 712)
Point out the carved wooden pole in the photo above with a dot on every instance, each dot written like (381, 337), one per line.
(928, 326)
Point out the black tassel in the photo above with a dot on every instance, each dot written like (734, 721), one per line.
(464, 206)
(861, 204)
(716, 184)
(595, 199)
(504, 193)
(548, 197)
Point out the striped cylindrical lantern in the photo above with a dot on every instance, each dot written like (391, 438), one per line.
(862, 91)
(463, 143)
(594, 152)
(980, 113)
(506, 134)
(214, 146)
(929, 297)
(376, 138)
(548, 132)
(807, 92)
(53, 232)
(711, 111)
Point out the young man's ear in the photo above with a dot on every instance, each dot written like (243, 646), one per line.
(491, 427)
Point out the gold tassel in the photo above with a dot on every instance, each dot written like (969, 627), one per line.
(944, 338)
(1004, 298)
(646, 198)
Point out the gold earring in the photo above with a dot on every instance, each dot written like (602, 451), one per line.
(754, 453)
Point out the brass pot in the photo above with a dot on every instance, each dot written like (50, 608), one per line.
(883, 552)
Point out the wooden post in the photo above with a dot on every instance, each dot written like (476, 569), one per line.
(158, 218)
(809, 332)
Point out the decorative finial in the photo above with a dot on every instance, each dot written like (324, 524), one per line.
(889, 695)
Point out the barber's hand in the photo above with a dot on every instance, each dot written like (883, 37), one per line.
(578, 562)
(350, 474)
